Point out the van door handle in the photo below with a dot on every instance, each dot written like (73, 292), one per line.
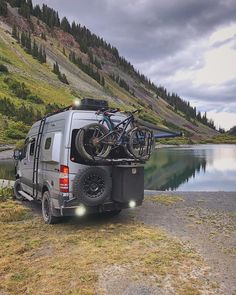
(24, 163)
(56, 169)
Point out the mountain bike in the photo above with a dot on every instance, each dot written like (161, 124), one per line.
(95, 141)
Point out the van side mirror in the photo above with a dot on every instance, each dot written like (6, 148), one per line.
(17, 155)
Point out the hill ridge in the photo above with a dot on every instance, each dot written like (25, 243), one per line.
(113, 83)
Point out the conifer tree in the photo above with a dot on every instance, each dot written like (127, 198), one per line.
(37, 11)
(23, 39)
(103, 81)
(65, 25)
(3, 8)
(35, 51)
(14, 32)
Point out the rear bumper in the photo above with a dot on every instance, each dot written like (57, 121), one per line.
(106, 207)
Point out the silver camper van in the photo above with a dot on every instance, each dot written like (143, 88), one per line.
(49, 169)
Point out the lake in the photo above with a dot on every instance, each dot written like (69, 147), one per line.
(185, 168)
(192, 168)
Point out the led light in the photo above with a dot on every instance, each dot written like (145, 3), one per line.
(132, 204)
(76, 102)
(80, 211)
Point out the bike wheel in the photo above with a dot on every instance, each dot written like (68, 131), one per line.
(88, 144)
(140, 143)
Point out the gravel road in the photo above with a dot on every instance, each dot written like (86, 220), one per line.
(206, 220)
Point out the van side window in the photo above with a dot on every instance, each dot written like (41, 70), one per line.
(24, 150)
(32, 145)
(48, 143)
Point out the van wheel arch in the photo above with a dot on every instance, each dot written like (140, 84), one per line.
(44, 189)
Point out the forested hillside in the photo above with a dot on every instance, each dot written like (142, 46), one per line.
(46, 62)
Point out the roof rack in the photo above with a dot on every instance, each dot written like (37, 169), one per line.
(89, 104)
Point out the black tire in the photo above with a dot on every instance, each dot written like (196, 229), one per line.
(17, 188)
(85, 142)
(140, 143)
(92, 185)
(47, 210)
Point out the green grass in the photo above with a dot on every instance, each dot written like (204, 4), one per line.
(70, 258)
(221, 139)
(175, 141)
(165, 200)
(38, 78)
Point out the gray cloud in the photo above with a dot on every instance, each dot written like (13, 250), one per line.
(143, 30)
(160, 37)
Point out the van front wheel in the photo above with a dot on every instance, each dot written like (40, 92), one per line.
(17, 189)
(47, 210)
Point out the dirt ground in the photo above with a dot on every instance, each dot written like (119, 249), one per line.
(205, 220)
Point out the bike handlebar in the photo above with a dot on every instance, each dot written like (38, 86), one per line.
(108, 111)
(113, 111)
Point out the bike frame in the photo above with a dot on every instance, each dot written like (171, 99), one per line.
(106, 119)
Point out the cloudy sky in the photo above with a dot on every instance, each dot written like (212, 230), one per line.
(188, 46)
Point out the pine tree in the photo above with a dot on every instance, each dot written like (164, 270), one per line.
(24, 10)
(3, 8)
(35, 51)
(14, 32)
(30, 5)
(56, 69)
(23, 39)
(37, 11)
(44, 59)
(28, 44)
(65, 25)
(43, 36)
(103, 81)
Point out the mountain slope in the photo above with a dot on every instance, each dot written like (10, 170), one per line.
(100, 72)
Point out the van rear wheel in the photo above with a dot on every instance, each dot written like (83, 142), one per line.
(47, 210)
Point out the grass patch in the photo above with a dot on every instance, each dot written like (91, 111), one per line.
(165, 200)
(6, 193)
(68, 258)
(221, 139)
(11, 210)
(175, 141)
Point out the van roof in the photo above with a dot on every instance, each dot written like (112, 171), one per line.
(85, 114)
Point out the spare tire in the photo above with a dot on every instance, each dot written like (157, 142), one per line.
(92, 185)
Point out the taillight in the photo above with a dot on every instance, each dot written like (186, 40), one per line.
(64, 179)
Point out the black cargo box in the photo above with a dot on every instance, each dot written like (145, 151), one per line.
(127, 183)
(92, 104)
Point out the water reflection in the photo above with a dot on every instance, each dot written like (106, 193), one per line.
(200, 167)
(187, 168)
